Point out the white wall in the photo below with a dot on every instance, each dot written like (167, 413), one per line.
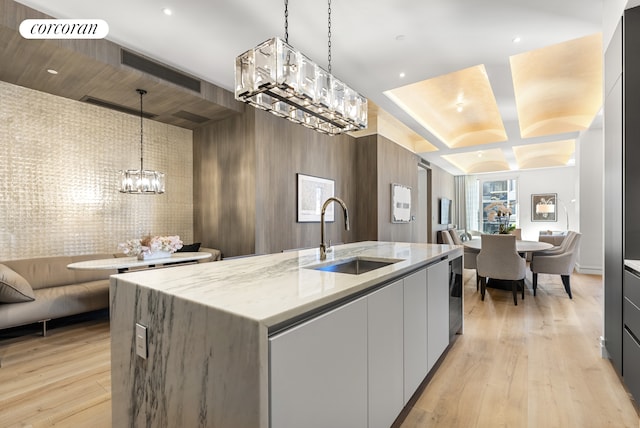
(611, 12)
(582, 184)
(562, 181)
(589, 157)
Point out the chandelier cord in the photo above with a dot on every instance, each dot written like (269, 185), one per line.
(286, 21)
(329, 34)
(141, 92)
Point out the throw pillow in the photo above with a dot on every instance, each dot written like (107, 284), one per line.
(191, 248)
(13, 287)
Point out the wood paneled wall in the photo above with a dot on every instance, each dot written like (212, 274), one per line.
(224, 185)
(245, 184)
(284, 149)
(442, 185)
(367, 188)
(395, 165)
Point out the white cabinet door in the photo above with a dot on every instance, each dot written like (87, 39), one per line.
(415, 332)
(318, 371)
(385, 343)
(437, 311)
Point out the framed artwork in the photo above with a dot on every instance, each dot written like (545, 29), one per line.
(312, 192)
(400, 203)
(544, 207)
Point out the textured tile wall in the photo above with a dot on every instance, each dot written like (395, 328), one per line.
(59, 163)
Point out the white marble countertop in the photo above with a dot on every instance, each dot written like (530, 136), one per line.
(278, 287)
(633, 264)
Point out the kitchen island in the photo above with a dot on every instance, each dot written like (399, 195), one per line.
(273, 341)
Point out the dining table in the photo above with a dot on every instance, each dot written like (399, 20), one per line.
(522, 246)
(123, 264)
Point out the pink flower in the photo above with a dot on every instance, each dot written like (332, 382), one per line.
(148, 245)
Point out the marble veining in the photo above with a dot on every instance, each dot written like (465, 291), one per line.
(207, 328)
(633, 264)
(275, 287)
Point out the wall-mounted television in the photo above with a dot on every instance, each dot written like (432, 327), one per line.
(445, 211)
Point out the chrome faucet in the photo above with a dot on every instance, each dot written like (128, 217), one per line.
(323, 246)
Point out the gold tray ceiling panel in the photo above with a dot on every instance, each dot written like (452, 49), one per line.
(477, 162)
(558, 88)
(459, 108)
(382, 123)
(543, 155)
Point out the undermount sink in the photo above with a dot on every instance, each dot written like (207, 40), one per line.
(355, 265)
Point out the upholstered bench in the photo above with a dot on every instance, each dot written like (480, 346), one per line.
(41, 289)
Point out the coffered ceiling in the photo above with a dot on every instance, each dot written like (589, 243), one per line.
(459, 108)
(451, 79)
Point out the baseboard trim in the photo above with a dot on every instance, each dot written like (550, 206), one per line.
(603, 348)
(589, 270)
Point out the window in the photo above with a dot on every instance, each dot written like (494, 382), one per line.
(499, 202)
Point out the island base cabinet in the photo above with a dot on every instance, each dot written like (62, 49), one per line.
(385, 365)
(359, 364)
(318, 371)
(415, 332)
(437, 312)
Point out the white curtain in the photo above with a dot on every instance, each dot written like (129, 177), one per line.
(472, 203)
(460, 218)
(467, 200)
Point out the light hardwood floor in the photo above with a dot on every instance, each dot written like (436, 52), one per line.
(533, 365)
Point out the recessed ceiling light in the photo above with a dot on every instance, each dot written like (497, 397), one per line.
(402, 74)
(167, 11)
(52, 71)
(517, 39)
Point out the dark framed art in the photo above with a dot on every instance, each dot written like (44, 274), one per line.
(544, 207)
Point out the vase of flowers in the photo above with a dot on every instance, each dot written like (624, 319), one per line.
(151, 247)
(500, 212)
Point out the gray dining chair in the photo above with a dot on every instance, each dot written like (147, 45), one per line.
(517, 233)
(455, 237)
(446, 238)
(557, 261)
(499, 260)
(470, 255)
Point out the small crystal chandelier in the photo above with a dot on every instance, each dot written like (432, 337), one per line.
(141, 181)
(275, 77)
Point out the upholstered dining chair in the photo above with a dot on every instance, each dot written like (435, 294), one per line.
(446, 238)
(470, 255)
(517, 233)
(557, 261)
(455, 237)
(498, 259)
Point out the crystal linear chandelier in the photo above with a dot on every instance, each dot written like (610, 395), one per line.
(141, 181)
(276, 77)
